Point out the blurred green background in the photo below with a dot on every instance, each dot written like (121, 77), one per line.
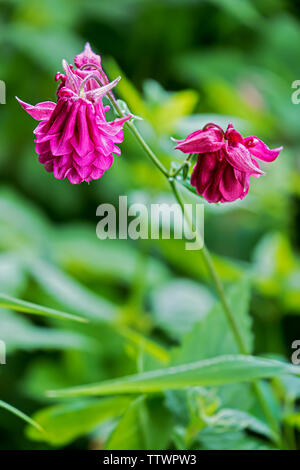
(183, 63)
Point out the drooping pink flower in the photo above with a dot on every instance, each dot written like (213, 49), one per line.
(73, 138)
(225, 161)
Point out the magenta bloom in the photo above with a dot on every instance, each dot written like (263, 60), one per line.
(225, 161)
(73, 138)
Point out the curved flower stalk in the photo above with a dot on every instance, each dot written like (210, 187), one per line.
(225, 161)
(73, 138)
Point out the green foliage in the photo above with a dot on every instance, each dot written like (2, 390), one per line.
(21, 415)
(151, 417)
(211, 372)
(66, 422)
(213, 336)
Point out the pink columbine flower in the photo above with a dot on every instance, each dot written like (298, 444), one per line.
(73, 138)
(225, 161)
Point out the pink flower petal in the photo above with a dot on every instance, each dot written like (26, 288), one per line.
(45, 157)
(203, 141)
(63, 140)
(233, 136)
(72, 80)
(230, 187)
(81, 141)
(102, 162)
(87, 57)
(59, 172)
(95, 174)
(239, 157)
(260, 150)
(40, 111)
(84, 171)
(73, 176)
(204, 171)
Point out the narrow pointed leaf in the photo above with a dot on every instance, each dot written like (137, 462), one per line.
(21, 415)
(28, 307)
(211, 372)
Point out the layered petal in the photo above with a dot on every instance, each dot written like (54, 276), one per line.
(83, 60)
(223, 174)
(215, 179)
(77, 143)
(239, 157)
(260, 150)
(40, 111)
(71, 80)
(230, 186)
(202, 141)
(233, 136)
(87, 57)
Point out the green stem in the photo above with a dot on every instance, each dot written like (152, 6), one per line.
(230, 316)
(139, 137)
(289, 429)
(147, 149)
(186, 162)
(218, 284)
(210, 267)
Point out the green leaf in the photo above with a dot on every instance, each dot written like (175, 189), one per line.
(179, 304)
(211, 372)
(71, 293)
(293, 419)
(79, 299)
(208, 439)
(128, 434)
(212, 335)
(20, 333)
(35, 309)
(78, 251)
(145, 344)
(22, 225)
(244, 12)
(190, 263)
(64, 423)
(23, 416)
(273, 261)
(145, 425)
(166, 115)
(12, 274)
(290, 387)
(240, 420)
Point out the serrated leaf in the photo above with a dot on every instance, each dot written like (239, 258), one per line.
(240, 420)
